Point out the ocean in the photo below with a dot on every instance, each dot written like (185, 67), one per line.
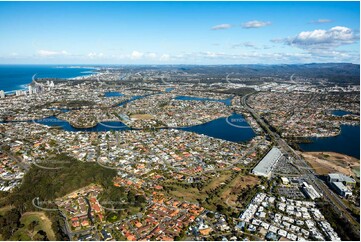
(16, 77)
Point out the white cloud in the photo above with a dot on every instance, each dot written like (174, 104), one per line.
(165, 57)
(50, 53)
(321, 21)
(209, 54)
(255, 24)
(245, 44)
(93, 55)
(151, 55)
(136, 55)
(266, 47)
(221, 26)
(320, 38)
(265, 57)
(244, 56)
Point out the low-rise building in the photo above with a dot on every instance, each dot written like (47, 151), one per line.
(339, 183)
(310, 191)
(265, 166)
(341, 189)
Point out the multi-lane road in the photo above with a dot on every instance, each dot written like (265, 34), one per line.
(304, 168)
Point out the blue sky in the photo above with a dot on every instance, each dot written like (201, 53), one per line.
(179, 32)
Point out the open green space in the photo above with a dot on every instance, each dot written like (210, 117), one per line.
(34, 226)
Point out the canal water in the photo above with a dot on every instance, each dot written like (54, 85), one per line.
(348, 142)
(113, 94)
(100, 127)
(340, 113)
(236, 129)
(233, 128)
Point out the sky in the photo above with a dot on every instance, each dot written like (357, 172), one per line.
(179, 32)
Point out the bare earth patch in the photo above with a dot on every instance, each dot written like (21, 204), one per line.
(141, 116)
(329, 162)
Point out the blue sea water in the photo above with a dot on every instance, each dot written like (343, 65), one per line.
(16, 77)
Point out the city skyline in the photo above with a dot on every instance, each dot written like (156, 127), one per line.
(179, 32)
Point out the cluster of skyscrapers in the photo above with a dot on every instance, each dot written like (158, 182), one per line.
(33, 88)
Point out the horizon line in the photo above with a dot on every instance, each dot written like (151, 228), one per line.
(163, 64)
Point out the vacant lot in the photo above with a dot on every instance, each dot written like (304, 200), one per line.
(223, 189)
(141, 116)
(329, 162)
(217, 181)
(188, 194)
(231, 191)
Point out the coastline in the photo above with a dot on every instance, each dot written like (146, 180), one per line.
(24, 86)
(92, 73)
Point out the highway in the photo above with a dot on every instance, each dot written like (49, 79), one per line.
(305, 169)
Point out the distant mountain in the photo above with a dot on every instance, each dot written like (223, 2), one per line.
(334, 72)
(338, 73)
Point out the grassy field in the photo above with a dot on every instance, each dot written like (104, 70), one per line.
(328, 162)
(216, 181)
(26, 233)
(188, 194)
(223, 190)
(230, 193)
